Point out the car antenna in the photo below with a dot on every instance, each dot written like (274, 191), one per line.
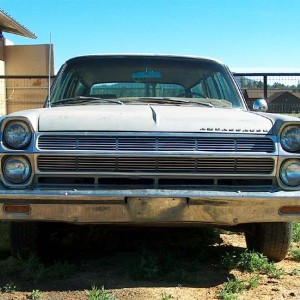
(49, 71)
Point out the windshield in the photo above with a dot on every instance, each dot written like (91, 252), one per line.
(142, 79)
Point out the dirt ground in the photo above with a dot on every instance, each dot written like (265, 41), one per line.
(113, 268)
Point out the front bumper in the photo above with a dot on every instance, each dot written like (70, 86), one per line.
(150, 206)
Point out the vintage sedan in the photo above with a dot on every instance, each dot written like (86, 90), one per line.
(151, 140)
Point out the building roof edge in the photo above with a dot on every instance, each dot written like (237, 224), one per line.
(10, 25)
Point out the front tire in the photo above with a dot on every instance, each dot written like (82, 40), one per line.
(271, 239)
(23, 239)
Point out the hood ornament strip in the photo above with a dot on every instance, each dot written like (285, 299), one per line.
(154, 115)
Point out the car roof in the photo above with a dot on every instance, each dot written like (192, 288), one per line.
(119, 67)
(155, 56)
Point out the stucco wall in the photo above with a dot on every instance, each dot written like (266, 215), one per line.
(2, 89)
(27, 60)
(2, 43)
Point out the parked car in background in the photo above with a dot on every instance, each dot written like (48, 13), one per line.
(151, 140)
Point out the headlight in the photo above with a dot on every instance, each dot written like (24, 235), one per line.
(17, 134)
(290, 172)
(290, 138)
(16, 169)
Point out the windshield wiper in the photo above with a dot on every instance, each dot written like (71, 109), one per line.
(84, 100)
(174, 100)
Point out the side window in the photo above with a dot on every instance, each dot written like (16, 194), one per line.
(74, 82)
(62, 88)
(199, 90)
(225, 90)
(212, 88)
(218, 87)
(80, 89)
(69, 86)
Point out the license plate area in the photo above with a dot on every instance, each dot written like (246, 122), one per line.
(152, 209)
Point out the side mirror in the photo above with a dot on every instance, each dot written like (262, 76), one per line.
(260, 105)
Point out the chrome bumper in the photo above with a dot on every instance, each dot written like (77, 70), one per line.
(150, 206)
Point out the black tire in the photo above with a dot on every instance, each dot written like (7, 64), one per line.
(23, 239)
(271, 239)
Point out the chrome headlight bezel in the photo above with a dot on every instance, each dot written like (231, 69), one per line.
(17, 134)
(290, 172)
(16, 170)
(290, 138)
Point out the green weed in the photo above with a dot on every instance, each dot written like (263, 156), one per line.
(273, 272)
(295, 254)
(295, 272)
(60, 270)
(229, 261)
(29, 269)
(4, 237)
(8, 288)
(234, 286)
(165, 296)
(254, 282)
(99, 294)
(227, 296)
(296, 232)
(180, 265)
(252, 262)
(146, 267)
(33, 269)
(35, 295)
(231, 288)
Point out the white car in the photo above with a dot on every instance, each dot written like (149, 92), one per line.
(151, 139)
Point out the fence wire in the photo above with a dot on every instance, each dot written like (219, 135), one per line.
(21, 93)
(281, 90)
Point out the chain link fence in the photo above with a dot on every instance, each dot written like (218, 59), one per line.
(281, 90)
(23, 92)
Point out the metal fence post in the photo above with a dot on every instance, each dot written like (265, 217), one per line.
(265, 87)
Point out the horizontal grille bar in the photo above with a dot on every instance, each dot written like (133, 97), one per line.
(140, 143)
(178, 183)
(52, 163)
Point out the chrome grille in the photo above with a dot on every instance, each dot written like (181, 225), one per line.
(98, 164)
(155, 143)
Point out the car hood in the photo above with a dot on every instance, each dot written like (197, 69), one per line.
(147, 118)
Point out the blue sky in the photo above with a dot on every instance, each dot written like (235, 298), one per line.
(248, 35)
